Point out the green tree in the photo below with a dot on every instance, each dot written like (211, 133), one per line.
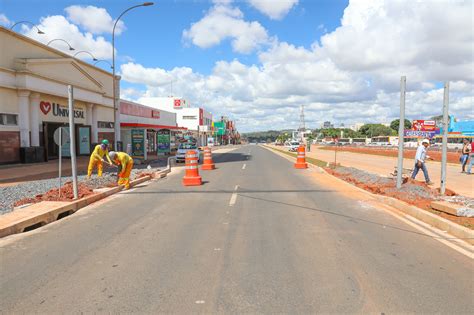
(375, 130)
(396, 123)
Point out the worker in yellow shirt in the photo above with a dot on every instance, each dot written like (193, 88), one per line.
(97, 157)
(126, 162)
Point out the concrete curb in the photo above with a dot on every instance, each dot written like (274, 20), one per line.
(45, 212)
(420, 214)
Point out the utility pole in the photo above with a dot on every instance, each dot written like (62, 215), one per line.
(401, 130)
(72, 136)
(444, 153)
(302, 127)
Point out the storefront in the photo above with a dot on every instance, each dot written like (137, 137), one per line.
(147, 132)
(34, 81)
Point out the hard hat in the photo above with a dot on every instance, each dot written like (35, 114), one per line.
(105, 142)
(112, 155)
(425, 141)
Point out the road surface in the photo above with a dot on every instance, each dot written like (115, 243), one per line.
(257, 237)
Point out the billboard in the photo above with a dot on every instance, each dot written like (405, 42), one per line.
(423, 125)
(420, 133)
(138, 143)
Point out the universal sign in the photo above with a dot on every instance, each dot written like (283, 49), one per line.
(60, 111)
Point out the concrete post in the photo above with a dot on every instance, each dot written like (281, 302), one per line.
(72, 135)
(401, 129)
(94, 127)
(24, 117)
(444, 154)
(34, 119)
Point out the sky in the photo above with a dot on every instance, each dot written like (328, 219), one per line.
(258, 61)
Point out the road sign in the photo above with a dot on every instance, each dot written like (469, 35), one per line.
(64, 136)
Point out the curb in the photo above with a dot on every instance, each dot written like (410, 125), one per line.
(420, 214)
(45, 212)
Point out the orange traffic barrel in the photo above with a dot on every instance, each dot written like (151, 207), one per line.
(191, 177)
(301, 158)
(208, 164)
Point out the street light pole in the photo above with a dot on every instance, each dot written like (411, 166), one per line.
(444, 152)
(116, 113)
(401, 131)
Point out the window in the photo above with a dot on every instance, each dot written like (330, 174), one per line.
(105, 124)
(8, 119)
(189, 117)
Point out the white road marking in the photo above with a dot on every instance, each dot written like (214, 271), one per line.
(200, 302)
(217, 249)
(233, 198)
(225, 223)
(243, 166)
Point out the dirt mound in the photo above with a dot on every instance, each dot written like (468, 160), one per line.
(67, 194)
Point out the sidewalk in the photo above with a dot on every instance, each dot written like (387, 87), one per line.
(460, 183)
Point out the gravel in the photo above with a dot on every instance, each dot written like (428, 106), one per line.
(11, 194)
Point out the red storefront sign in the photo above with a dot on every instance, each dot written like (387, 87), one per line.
(155, 114)
(177, 103)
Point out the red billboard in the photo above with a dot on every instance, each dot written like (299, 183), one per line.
(423, 125)
(177, 103)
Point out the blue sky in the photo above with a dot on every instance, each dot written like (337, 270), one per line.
(258, 60)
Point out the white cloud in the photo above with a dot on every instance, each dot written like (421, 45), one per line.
(4, 21)
(351, 75)
(57, 26)
(224, 22)
(275, 9)
(93, 19)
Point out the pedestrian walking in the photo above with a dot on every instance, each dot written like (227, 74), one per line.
(466, 149)
(97, 157)
(126, 162)
(420, 161)
(471, 160)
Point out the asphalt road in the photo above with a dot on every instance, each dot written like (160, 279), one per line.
(280, 244)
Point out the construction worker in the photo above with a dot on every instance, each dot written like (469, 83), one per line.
(97, 157)
(126, 162)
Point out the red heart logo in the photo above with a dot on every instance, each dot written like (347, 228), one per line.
(45, 107)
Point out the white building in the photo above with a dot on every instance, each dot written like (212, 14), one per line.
(357, 126)
(34, 81)
(196, 120)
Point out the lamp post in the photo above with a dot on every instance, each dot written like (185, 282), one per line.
(86, 52)
(116, 127)
(27, 22)
(101, 60)
(70, 47)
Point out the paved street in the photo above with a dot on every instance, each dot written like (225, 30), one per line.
(257, 237)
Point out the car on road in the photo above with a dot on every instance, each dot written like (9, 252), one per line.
(294, 145)
(183, 148)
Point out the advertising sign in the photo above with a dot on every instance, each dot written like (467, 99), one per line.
(155, 114)
(219, 128)
(424, 125)
(66, 146)
(84, 140)
(420, 134)
(177, 103)
(163, 140)
(59, 112)
(138, 143)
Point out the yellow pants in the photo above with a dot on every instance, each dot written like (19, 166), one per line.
(92, 164)
(124, 176)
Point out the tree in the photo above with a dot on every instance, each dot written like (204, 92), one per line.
(375, 130)
(396, 123)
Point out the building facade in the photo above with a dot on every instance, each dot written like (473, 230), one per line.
(34, 81)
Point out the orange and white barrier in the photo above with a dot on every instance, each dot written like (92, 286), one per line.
(208, 164)
(191, 177)
(301, 158)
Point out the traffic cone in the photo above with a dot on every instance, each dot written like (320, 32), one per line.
(301, 158)
(191, 177)
(208, 164)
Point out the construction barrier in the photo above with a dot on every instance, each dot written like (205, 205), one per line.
(191, 177)
(208, 164)
(301, 158)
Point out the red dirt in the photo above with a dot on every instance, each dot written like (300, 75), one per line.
(67, 194)
(422, 203)
(453, 157)
(143, 174)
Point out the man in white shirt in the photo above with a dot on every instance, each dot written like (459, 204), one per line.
(420, 159)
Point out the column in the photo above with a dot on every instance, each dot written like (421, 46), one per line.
(94, 129)
(34, 119)
(24, 117)
(89, 107)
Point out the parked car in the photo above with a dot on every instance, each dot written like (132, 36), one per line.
(294, 145)
(183, 148)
